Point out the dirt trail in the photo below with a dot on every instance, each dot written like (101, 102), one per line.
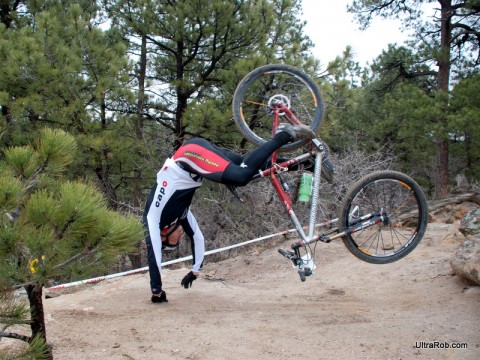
(255, 306)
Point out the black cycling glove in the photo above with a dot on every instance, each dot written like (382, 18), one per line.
(188, 280)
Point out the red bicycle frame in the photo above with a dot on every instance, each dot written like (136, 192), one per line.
(281, 187)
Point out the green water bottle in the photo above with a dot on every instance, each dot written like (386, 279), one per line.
(305, 187)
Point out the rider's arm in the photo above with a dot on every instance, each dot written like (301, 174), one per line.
(193, 231)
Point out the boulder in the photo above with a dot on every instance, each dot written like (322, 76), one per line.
(470, 223)
(466, 262)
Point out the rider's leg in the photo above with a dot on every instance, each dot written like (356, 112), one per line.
(241, 174)
(203, 158)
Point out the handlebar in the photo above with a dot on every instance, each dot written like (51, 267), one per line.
(288, 254)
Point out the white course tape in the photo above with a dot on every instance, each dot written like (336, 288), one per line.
(144, 269)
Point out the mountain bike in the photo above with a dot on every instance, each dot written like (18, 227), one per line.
(382, 217)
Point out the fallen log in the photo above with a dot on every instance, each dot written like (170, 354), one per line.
(434, 205)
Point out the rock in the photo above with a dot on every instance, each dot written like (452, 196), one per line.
(466, 262)
(457, 212)
(470, 223)
(463, 209)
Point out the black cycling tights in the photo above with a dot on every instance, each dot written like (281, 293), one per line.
(239, 170)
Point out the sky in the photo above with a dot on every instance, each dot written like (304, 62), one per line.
(331, 28)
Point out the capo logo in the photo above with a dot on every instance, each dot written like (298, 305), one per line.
(161, 192)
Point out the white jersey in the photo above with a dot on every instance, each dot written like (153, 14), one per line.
(169, 204)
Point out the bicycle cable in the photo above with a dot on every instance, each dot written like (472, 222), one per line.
(308, 251)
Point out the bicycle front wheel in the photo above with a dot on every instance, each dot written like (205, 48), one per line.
(275, 83)
(403, 206)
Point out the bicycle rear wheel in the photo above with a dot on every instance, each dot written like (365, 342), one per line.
(275, 83)
(404, 207)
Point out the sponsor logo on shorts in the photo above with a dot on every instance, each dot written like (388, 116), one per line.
(199, 157)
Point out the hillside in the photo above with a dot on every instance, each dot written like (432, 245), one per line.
(255, 305)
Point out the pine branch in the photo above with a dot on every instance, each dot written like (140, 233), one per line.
(70, 221)
(10, 335)
(86, 252)
(72, 259)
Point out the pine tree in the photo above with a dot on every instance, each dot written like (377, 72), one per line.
(53, 229)
(450, 40)
(195, 52)
(465, 127)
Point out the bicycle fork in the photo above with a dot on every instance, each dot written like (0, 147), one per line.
(283, 191)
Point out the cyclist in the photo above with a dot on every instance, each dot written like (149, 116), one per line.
(167, 214)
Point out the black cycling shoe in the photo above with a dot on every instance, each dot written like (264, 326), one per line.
(159, 298)
(297, 132)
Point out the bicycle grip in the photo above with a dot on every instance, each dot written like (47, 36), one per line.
(283, 252)
(302, 275)
(288, 254)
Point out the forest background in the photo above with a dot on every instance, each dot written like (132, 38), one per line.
(95, 95)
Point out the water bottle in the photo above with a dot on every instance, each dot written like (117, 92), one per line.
(305, 187)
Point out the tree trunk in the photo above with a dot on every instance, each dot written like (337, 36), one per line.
(103, 112)
(179, 128)
(141, 89)
(441, 169)
(443, 81)
(103, 174)
(37, 315)
(182, 98)
(137, 196)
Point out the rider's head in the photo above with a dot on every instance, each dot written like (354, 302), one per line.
(171, 237)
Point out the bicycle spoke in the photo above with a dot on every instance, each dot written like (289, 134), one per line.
(276, 88)
(396, 200)
(403, 208)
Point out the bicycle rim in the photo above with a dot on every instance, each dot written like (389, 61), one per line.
(405, 210)
(270, 83)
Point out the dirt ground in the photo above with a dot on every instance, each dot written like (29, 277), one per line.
(255, 306)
